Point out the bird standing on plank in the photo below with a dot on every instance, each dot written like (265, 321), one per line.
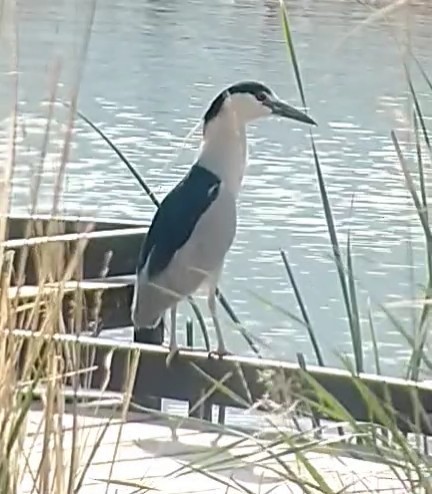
(195, 224)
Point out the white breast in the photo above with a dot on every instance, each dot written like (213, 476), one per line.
(214, 233)
(224, 152)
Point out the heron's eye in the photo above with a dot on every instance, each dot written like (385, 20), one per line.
(262, 96)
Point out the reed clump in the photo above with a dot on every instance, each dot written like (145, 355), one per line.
(44, 444)
(36, 456)
(289, 457)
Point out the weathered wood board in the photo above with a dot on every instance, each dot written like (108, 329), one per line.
(122, 240)
(143, 450)
(236, 381)
(192, 373)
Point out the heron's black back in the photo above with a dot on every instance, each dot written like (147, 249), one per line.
(176, 219)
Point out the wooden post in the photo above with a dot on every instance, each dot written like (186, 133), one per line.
(204, 411)
(153, 337)
(315, 419)
(221, 415)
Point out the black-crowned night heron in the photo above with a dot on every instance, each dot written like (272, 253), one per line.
(195, 224)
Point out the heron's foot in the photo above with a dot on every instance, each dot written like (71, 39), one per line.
(219, 353)
(171, 355)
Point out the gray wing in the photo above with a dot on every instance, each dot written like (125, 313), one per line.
(176, 219)
(158, 286)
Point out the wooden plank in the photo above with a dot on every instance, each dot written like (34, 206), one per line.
(195, 372)
(123, 244)
(90, 285)
(139, 449)
(185, 380)
(115, 300)
(73, 237)
(191, 372)
(70, 224)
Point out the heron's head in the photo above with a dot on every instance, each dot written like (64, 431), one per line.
(249, 100)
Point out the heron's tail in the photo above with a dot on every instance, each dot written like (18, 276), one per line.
(153, 335)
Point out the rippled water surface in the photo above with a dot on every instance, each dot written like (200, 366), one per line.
(153, 66)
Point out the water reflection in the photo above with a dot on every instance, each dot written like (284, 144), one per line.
(153, 67)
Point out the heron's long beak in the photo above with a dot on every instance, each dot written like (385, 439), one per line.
(282, 109)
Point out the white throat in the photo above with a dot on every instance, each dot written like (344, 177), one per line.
(224, 150)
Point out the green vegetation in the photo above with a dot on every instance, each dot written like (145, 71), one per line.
(402, 454)
(35, 449)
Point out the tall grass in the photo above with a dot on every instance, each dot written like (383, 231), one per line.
(418, 193)
(345, 276)
(290, 457)
(45, 368)
(34, 455)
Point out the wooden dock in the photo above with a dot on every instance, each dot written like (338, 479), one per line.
(138, 449)
(236, 382)
(192, 378)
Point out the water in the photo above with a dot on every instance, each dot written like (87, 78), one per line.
(153, 66)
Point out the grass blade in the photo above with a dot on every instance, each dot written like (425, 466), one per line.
(374, 341)
(238, 325)
(117, 151)
(323, 192)
(422, 71)
(358, 346)
(291, 51)
(65, 152)
(418, 111)
(302, 307)
(278, 308)
(415, 359)
(412, 342)
(337, 256)
(357, 343)
(420, 167)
